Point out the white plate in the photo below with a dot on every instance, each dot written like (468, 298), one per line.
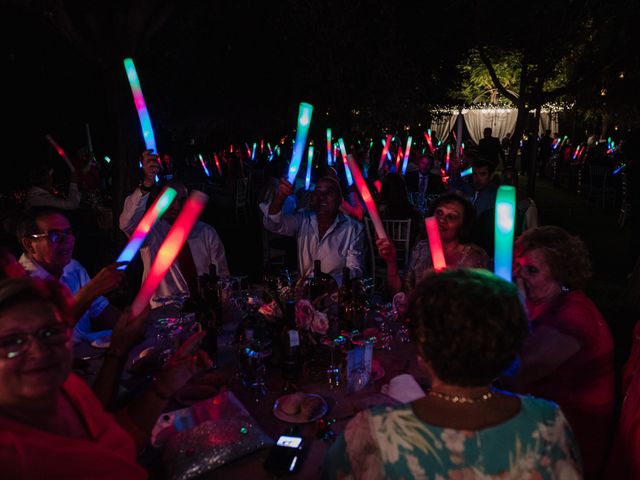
(285, 417)
(101, 342)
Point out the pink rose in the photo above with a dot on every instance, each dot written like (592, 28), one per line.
(320, 323)
(304, 314)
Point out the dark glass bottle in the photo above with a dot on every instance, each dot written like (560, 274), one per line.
(210, 311)
(353, 310)
(291, 346)
(322, 283)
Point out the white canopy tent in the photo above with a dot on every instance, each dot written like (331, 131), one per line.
(501, 120)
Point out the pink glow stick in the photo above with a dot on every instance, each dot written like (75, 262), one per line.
(60, 151)
(215, 157)
(366, 196)
(435, 244)
(169, 249)
(385, 150)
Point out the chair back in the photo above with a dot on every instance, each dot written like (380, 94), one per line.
(399, 232)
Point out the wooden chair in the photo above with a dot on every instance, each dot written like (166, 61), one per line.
(399, 232)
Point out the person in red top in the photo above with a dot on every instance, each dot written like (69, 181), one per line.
(568, 357)
(51, 423)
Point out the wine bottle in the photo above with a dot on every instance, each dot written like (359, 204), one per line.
(291, 343)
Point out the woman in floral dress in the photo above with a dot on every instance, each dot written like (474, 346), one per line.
(468, 326)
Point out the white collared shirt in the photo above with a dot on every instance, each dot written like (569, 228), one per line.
(40, 197)
(74, 277)
(204, 243)
(340, 247)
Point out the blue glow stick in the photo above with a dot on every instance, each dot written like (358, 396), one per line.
(307, 178)
(466, 172)
(304, 120)
(347, 171)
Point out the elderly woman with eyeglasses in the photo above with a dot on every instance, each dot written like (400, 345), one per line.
(51, 424)
(455, 217)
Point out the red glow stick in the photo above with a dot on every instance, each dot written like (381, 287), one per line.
(215, 157)
(428, 137)
(60, 151)
(366, 196)
(398, 158)
(169, 249)
(378, 185)
(435, 244)
(385, 150)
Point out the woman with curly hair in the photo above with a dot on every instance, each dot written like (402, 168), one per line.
(568, 358)
(468, 326)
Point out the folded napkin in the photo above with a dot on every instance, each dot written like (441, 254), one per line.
(403, 388)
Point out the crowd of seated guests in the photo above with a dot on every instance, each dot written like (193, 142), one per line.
(468, 326)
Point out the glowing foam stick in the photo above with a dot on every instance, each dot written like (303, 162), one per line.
(169, 249)
(248, 149)
(505, 221)
(367, 198)
(107, 159)
(141, 106)
(60, 151)
(378, 185)
(261, 146)
(304, 120)
(427, 136)
(575, 153)
(617, 170)
(447, 158)
(253, 151)
(398, 158)
(149, 219)
(385, 151)
(406, 155)
(204, 166)
(435, 244)
(466, 172)
(215, 157)
(347, 171)
(307, 178)
(329, 149)
(335, 153)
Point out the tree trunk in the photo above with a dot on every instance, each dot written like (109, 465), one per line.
(533, 159)
(521, 121)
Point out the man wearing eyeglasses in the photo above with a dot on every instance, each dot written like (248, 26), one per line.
(47, 240)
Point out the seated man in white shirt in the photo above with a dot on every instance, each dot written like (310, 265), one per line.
(47, 240)
(39, 195)
(203, 246)
(322, 233)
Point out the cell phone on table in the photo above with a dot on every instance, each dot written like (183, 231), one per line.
(285, 456)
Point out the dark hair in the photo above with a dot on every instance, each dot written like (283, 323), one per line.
(27, 225)
(39, 175)
(26, 289)
(394, 195)
(566, 255)
(468, 213)
(469, 324)
(483, 162)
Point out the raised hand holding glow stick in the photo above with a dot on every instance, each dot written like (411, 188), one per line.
(505, 221)
(60, 151)
(435, 244)
(343, 152)
(153, 214)
(406, 155)
(366, 197)
(385, 151)
(304, 120)
(307, 178)
(169, 249)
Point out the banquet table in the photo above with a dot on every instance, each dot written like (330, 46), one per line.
(342, 405)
